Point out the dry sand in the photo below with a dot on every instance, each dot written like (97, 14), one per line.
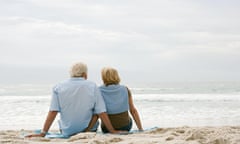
(179, 135)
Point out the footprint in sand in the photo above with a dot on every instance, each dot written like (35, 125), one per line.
(221, 141)
(169, 138)
(160, 131)
(115, 140)
(180, 131)
(82, 136)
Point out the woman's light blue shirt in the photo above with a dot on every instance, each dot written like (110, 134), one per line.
(115, 97)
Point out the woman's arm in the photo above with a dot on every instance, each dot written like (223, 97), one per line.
(134, 111)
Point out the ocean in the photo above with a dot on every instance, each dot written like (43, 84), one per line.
(25, 106)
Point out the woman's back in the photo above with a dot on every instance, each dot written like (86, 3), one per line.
(116, 98)
(117, 105)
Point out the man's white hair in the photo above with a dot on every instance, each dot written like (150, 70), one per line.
(78, 69)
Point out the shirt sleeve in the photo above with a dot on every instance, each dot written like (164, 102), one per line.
(99, 104)
(54, 106)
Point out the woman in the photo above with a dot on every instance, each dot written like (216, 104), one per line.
(119, 101)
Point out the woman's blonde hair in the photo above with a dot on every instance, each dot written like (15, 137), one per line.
(110, 76)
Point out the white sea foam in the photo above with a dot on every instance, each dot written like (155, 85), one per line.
(186, 97)
(25, 107)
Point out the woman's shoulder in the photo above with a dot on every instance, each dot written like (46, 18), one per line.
(123, 87)
(113, 87)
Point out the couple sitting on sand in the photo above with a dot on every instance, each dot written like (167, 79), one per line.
(81, 102)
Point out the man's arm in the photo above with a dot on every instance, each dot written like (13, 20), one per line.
(91, 123)
(48, 122)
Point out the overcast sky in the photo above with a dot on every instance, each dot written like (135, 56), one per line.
(146, 40)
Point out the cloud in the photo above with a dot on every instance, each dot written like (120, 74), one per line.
(138, 36)
(42, 39)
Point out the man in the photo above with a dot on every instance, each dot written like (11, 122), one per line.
(79, 102)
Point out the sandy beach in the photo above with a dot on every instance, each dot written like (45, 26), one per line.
(178, 135)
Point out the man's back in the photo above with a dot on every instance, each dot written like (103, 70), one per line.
(77, 100)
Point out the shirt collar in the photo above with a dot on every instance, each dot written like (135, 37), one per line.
(77, 78)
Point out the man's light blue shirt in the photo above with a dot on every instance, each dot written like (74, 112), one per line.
(76, 100)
